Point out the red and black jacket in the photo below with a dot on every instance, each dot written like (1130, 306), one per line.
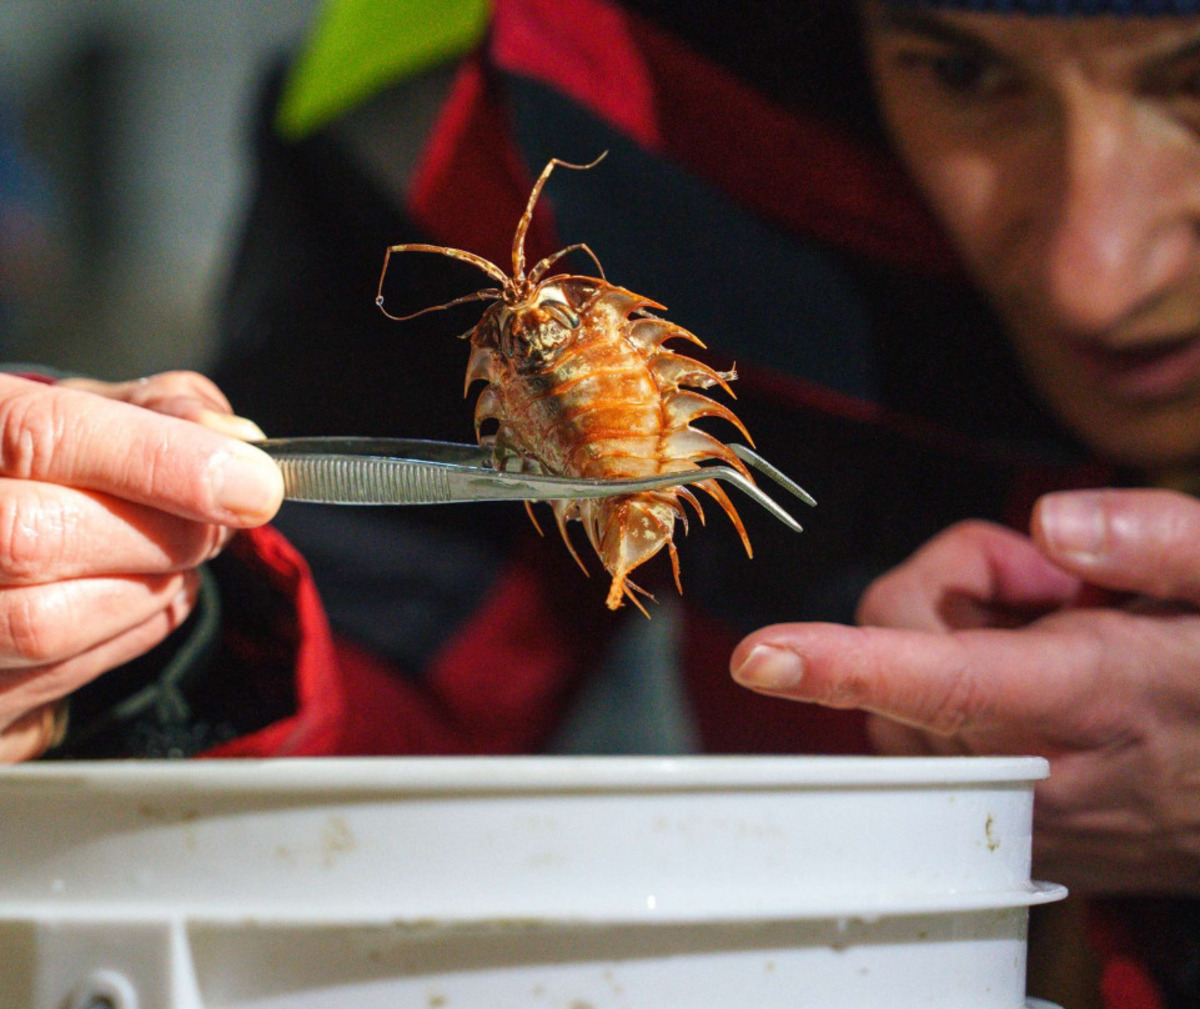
(790, 243)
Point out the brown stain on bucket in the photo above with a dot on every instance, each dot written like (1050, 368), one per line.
(993, 842)
(336, 839)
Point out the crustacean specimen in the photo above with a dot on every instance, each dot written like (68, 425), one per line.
(579, 383)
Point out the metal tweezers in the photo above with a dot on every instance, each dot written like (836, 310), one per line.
(405, 471)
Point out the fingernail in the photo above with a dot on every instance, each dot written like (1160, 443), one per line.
(770, 668)
(1073, 525)
(242, 428)
(185, 598)
(58, 715)
(246, 483)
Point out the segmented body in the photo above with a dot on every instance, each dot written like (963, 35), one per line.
(579, 383)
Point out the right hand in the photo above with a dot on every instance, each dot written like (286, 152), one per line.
(111, 495)
(1080, 642)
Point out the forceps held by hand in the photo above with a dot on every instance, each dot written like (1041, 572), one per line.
(407, 471)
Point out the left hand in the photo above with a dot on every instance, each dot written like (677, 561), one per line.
(1080, 643)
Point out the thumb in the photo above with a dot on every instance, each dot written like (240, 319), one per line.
(1141, 541)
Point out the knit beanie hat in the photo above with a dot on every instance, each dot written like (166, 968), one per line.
(1132, 8)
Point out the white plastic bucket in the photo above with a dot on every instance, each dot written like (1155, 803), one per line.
(518, 883)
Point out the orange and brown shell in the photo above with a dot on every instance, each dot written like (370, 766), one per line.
(579, 383)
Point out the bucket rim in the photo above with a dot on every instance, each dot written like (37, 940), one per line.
(490, 774)
(330, 913)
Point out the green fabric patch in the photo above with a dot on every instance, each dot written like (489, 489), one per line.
(358, 47)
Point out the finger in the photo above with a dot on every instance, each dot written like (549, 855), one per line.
(1141, 541)
(45, 624)
(971, 681)
(975, 574)
(67, 436)
(183, 394)
(51, 533)
(152, 392)
(229, 424)
(32, 734)
(36, 688)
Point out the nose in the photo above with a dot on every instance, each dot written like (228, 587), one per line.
(1123, 231)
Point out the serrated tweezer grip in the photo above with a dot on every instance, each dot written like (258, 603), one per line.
(349, 480)
(375, 471)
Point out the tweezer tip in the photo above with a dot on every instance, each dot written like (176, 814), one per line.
(747, 454)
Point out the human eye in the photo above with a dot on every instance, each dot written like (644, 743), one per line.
(1175, 86)
(962, 73)
(966, 74)
(1180, 81)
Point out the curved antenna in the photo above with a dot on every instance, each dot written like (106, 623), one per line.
(484, 295)
(486, 265)
(536, 273)
(518, 249)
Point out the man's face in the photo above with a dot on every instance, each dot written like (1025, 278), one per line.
(1063, 157)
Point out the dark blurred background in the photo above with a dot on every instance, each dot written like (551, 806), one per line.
(123, 171)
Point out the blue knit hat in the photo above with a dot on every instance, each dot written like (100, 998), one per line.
(1140, 8)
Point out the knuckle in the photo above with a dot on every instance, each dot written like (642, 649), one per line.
(31, 428)
(1104, 645)
(33, 536)
(957, 705)
(857, 684)
(1166, 783)
(29, 621)
(155, 466)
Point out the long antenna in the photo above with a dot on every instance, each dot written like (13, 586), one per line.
(518, 249)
